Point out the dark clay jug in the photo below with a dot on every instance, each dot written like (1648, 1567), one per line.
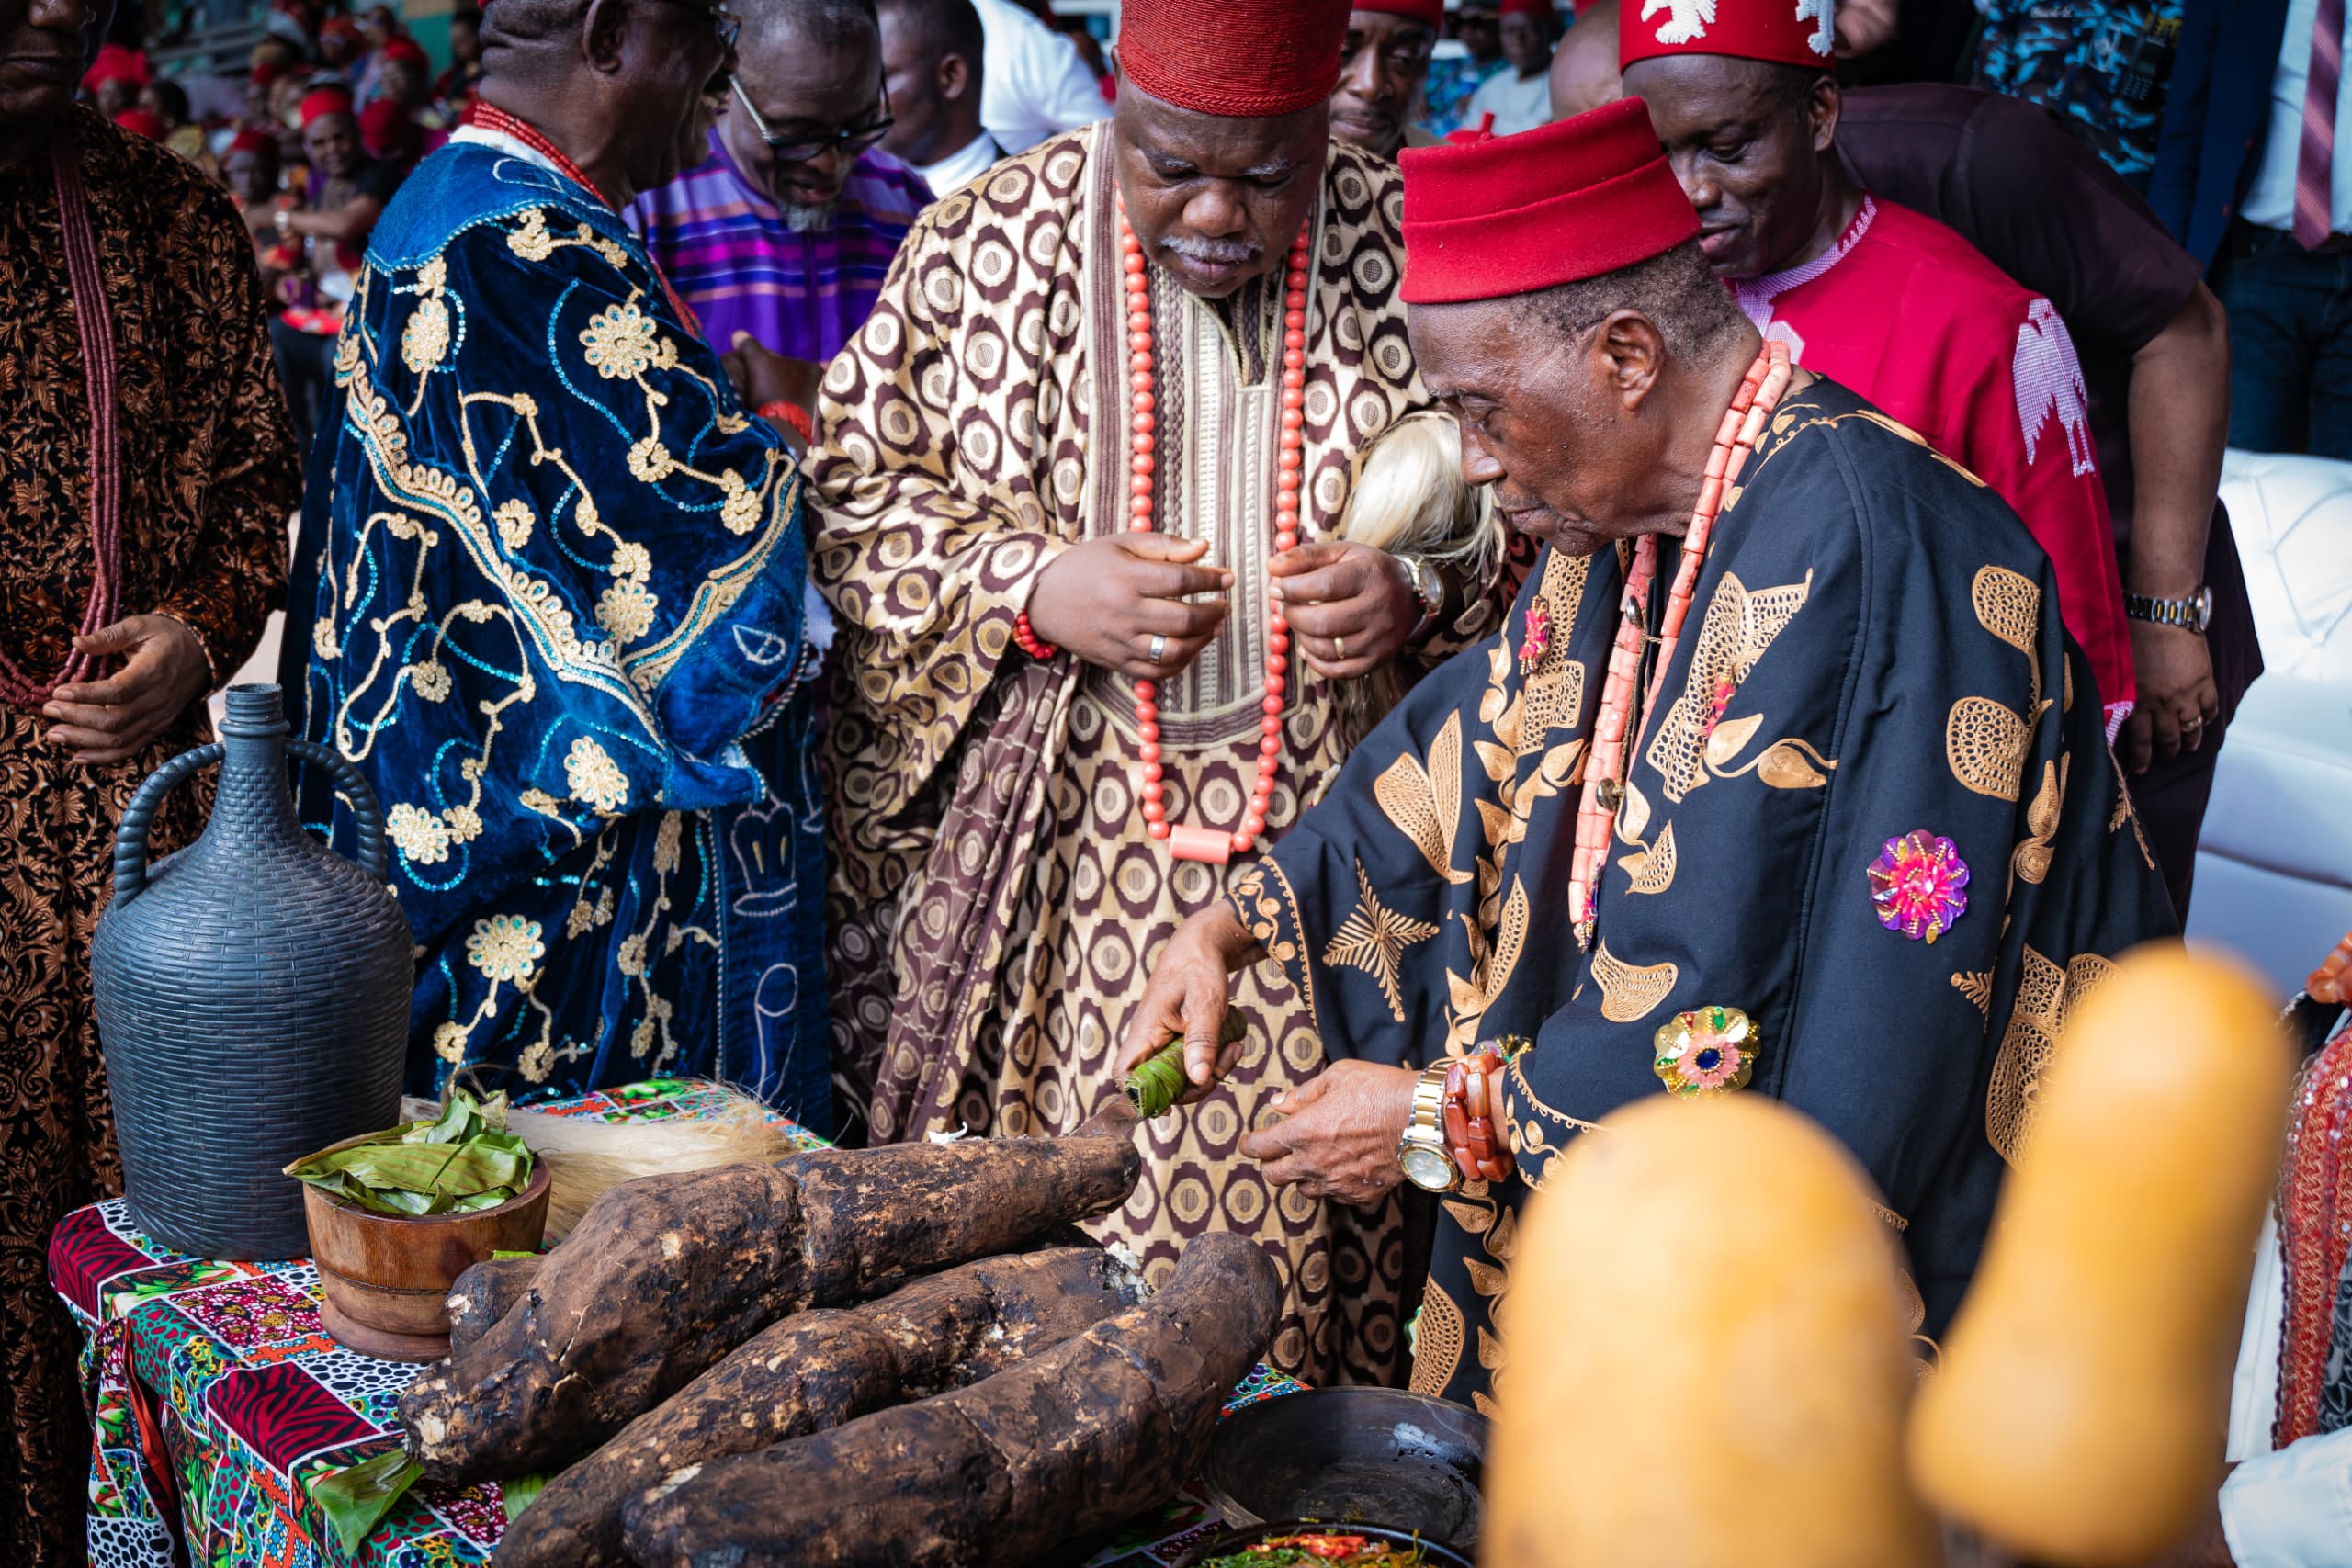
(252, 994)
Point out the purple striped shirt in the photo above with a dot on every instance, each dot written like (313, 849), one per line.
(728, 252)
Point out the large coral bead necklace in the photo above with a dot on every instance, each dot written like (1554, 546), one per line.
(1604, 779)
(1184, 842)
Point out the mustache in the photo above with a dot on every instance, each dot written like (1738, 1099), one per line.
(1224, 251)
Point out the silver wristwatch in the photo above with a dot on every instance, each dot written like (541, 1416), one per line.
(2194, 613)
(1421, 1153)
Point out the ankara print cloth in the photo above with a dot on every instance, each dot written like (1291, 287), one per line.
(996, 905)
(549, 594)
(1872, 651)
(209, 476)
(1914, 318)
(2102, 65)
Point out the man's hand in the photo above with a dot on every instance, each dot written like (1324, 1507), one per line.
(2176, 699)
(762, 376)
(1350, 607)
(107, 720)
(1338, 1133)
(1107, 599)
(1187, 995)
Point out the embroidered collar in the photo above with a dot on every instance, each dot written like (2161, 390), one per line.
(499, 141)
(1756, 295)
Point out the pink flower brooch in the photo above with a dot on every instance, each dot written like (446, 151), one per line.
(1919, 884)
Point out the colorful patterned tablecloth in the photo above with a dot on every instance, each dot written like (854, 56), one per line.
(216, 1392)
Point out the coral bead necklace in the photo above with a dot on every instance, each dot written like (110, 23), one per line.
(1604, 779)
(1184, 842)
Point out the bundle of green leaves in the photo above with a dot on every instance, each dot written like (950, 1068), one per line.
(464, 1161)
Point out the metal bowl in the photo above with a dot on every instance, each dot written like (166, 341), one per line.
(1437, 1555)
(1341, 1455)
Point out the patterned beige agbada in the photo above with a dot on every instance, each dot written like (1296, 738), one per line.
(995, 903)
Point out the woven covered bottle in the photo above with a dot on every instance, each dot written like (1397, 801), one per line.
(252, 994)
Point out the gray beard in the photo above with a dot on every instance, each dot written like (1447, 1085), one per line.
(803, 218)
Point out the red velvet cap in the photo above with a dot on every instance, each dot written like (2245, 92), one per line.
(141, 122)
(1431, 14)
(252, 140)
(320, 101)
(1488, 216)
(1242, 59)
(1529, 8)
(404, 47)
(1799, 33)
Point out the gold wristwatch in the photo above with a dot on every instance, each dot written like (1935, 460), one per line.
(1421, 1153)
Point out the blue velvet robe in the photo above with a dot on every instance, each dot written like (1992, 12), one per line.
(552, 592)
(1873, 648)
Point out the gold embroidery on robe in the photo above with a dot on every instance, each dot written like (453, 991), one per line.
(1630, 992)
(1738, 630)
(1986, 741)
(1438, 1342)
(2047, 998)
(1374, 939)
(2031, 862)
(1976, 985)
(1425, 804)
(1652, 869)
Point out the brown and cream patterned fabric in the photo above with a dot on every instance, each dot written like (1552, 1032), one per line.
(996, 906)
(211, 474)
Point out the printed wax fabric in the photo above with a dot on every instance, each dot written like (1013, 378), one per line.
(1872, 678)
(2104, 64)
(996, 904)
(726, 248)
(549, 595)
(208, 479)
(2314, 1212)
(222, 1402)
(1914, 318)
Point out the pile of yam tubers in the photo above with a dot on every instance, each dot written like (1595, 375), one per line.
(849, 1357)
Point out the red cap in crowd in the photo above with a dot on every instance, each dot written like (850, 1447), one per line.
(383, 127)
(1431, 14)
(320, 101)
(404, 47)
(267, 72)
(1787, 34)
(1242, 59)
(141, 122)
(1488, 216)
(250, 141)
(118, 62)
(1543, 8)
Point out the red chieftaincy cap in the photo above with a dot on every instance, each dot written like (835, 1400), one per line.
(1801, 33)
(1241, 59)
(320, 101)
(1488, 216)
(1431, 14)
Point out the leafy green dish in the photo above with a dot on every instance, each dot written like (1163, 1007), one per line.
(1334, 1548)
(464, 1161)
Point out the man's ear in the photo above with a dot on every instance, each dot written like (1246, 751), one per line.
(1636, 352)
(1821, 112)
(954, 75)
(603, 34)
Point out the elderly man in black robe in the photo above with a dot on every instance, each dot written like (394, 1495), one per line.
(1851, 832)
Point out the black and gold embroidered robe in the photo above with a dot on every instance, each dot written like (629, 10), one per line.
(1873, 650)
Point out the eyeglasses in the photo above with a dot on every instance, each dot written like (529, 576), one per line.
(726, 24)
(800, 149)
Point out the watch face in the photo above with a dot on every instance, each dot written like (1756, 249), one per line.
(1430, 1169)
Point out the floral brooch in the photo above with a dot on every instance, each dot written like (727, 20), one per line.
(1706, 1051)
(1536, 638)
(1919, 886)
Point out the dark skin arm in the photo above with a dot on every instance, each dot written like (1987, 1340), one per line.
(2181, 417)
(348, 225)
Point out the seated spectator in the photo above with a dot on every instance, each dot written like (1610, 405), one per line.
(392, 137)
(115, 77)
(167, 101)
(342, 47)
(345, 192)
(934, 57)
(1520, 97)
(785, 232)
(1459, 65)
(457, 84)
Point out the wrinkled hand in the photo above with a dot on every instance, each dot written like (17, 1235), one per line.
(1187, 995)
(1338, 1133)
(1348, 599)
(762, 376)
(1106, 599)
(106, 721)
(2177, 698)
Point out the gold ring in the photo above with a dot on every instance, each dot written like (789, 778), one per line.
(1339, 649)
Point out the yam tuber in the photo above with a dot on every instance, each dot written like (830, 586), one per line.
(486, 1292)
(2085, 1381)
(1713, 1371)
(816, 1370)
(666, 1275)
(1075, 1439)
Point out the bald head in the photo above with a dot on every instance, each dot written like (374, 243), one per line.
(1584, 68)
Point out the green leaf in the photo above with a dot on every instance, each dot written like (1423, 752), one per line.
(500, 1252)
(354, 1501)
(519, 1493)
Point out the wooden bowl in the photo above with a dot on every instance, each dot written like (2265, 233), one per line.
(385, 1278)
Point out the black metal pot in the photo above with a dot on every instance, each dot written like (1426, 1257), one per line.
(252, 994)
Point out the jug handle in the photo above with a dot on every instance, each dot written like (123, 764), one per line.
(130, 838)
